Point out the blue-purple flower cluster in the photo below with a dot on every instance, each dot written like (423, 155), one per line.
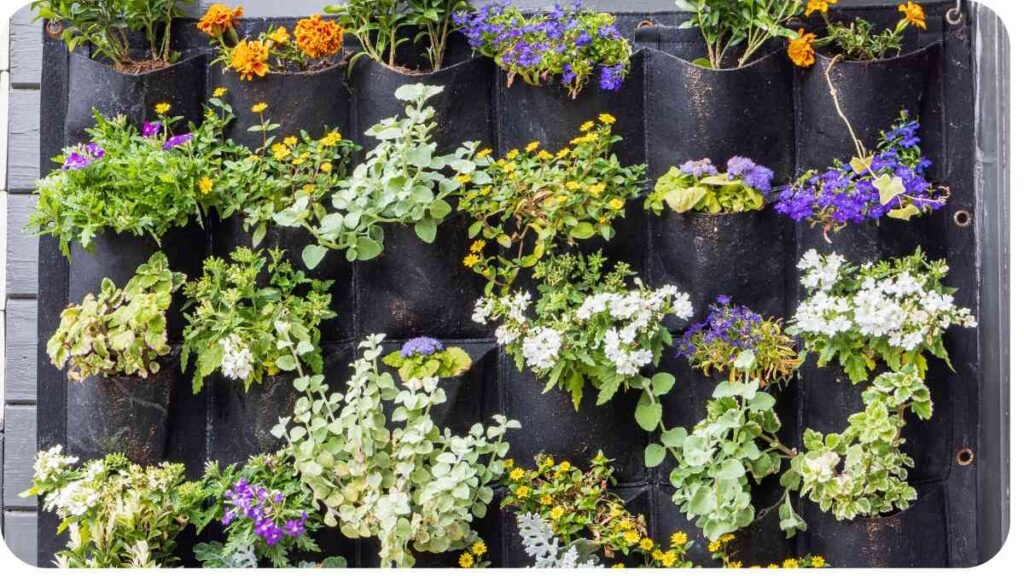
(843, 195)
(422, 346)
(735, 327)
(568, 43)
(263, 508)
(83, 156)
(738, 168)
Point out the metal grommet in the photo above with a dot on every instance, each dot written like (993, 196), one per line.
(644, 24)
(53, 28)
(965, 457)
(954, 16)
(962, 218)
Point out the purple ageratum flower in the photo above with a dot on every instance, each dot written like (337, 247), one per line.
(699, 168)
(612, 77)
(757, 177)
(422, 346)
(150, 129)
(175, 141)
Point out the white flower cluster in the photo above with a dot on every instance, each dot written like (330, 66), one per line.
(73, 500)
(50, 463)
(236, 362)
(541, 347)
(900, 309)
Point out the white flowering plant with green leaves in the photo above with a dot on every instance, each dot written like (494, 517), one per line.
(890, 312)
(116, 514)
(862, 471)
(379, 466)
(587, 325)
(404, 180)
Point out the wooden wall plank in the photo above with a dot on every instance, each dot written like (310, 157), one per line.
(20, 534)
(26, 50)
(19, 454)
(22, 248)
(21, 331)
(23, 141)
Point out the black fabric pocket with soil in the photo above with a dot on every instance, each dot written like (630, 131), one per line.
(240, 422)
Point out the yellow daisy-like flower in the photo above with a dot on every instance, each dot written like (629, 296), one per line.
(791, 563)
(608, 119)
(668, 559)
(326, 168)
(466, 560)
(801, 49)
(477, 246)
(597, 189)
(735, 564)
(914, 15)
(728, 538)
(773, 566)
(616, 204)
(562, 153)
(557, 512)
(714, 546)
(484, 153)
(259, 107)
(309, 188)
(624, 525)
(631, 537)
(280, 36)
(817, 562)
(463, 178)
(587, 126)
(546, 499)
(532, 146)
(646, 544)
(544, 155)
(619, 565)
(549, 462)
(522, 492)
(517, 474)
(162, 108)
(572, 186)
(818, 6)
(219, 92)
(564, 466)
(332, 138)
(280, 151)
(479, 548)
(512, 154)
(205, 185)
(680, 539)
(509, 167)
(471, 260)
(291, 141)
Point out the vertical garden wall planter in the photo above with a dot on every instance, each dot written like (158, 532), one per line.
(96, 85)
(297, 101)
(240, 422)
(695, 112)
(463, 110)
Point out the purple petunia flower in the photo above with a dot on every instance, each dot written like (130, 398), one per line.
(95, 150)
(76, 161)
(150, 129)
(175, 141)
(422, 346)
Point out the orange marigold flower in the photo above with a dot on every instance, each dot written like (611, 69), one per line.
(914, 14)
(249, 58)
(219, 19)
(818, 6)
(801, 49)
(318, 38)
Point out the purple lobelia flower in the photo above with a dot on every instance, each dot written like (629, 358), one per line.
(733, 326)
(175, 141)
(612, 77)
(150, 129)
(422, 346)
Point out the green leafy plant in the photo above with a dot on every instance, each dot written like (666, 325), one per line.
(699, 187)
(738, 26)
(587, 326)
(116, 514)
(127, 180)
(890, 312)
(236, 309)
(377, 24)
(424, 357)
(532, 202)
(582, 512)
(862, 471)
(403, 181)
(380, 467)
(120, 331)
(267, 514)
(107, 25)
(434, 21)
(857, 40)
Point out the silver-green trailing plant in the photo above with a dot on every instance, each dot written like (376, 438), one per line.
(541, 544)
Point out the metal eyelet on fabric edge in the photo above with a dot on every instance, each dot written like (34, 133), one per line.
(962, 218)
(53, 28)
(644, 24)
(955, 15)
(965, 457)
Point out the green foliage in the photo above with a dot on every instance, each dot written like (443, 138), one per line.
(434, 21)
(857, 41)
(136, 186)
(728, 25)
(718, 194)
(288, 500)
(238, 310)
(380, 467)
(403, 181)
(117, 514)
(107, 24)
(587, 326)
(529, 204)
(377, 25)
(448, 363)
(121, 331)
(861, 471)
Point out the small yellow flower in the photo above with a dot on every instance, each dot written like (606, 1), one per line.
(668, 559)
(331, 138)
(624, 525)
(259, 107)
(619, 565)
(631, 537)
(817, 562)
(734, 564)
(466, 560)
(469, 261)
(479, 548)
(573, 186)
(309, 188)
(291, 141)
(562, 153)
(508, 463)
(608, 119)
(914, 15)
(517, 474)
(532, 146)
(326, 168)
(818, 6)
(791, 563)
(484, 153)
(616, 204)
(597, 189)
(522, 492)
(544, 155)
(714, 546)
(463, 178)
(801, 49)
(205, 185)
(280, 36)
(512, 154)
(252, 157)
(557, 512)
(773, 566)
(219, 92)
(162, 108)
(280, 151)
(477, 247)
(485, 190)
(548, 462)
(509, 167)
(680, 539)
(728, 538)
(587, 126)
(546, 500)
(564, 466)
(646, 544)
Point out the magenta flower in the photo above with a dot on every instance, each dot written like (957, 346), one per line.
(76, 161)
(150, 129)
(178, 140)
